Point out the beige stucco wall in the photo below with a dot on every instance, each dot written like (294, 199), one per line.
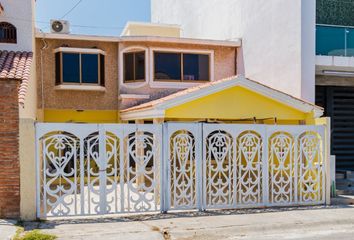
(144, 29)
(71, 99)
(27, 169)
(28, 116)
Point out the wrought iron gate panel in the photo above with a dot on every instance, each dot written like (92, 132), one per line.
(296, 165)
(183, 166)
(88, 169)
(232, 165)
(282, 168)
(142, 167)
(250, 161)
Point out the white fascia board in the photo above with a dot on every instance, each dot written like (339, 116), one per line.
(157, 39)
(144, 114)
(134, 96)
(227, 43)
(68, 36)
(79, 50)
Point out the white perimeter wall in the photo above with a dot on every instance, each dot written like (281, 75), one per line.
(19, 13)
(278, 36)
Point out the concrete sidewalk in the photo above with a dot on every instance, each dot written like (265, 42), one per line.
(296, 223)
(7, 229)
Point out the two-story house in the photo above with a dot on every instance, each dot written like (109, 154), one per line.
(151, 121)
(91, 78)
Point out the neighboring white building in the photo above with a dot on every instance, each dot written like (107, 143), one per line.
(19, 13)
(278, 36)
(17, 52)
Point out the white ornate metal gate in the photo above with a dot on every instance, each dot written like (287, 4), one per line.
(75, 178)
(87, 169)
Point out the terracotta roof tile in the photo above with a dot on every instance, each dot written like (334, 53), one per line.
(16, 65)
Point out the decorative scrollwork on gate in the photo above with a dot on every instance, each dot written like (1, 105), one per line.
(113, 173)
(219, 169)
(310, 160)
(60, 176)
(141, 155)
(92, 168)
(281, 168)
(249, 168)
(183, 170)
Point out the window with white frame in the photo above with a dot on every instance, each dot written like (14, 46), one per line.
(80, 68)
(181, 66)
(134, 66)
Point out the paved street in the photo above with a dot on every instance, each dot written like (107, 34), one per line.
(7, 229)
(335, 222)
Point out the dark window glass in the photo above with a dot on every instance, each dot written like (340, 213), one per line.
(89, 68)
(8, 33)
(128, 66)
(71, 67)
(167, 66)
(102, 69)
(57, 68)
(330, 41)
(195, 67)
(140, 66)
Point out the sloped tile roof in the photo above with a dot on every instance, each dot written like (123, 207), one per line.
(234, 79)
(16, 65)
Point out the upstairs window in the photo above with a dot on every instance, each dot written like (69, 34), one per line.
(8, 33)
(134, 66)
(181, 67)
(79, 68)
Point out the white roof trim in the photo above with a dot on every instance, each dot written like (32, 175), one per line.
(134, 96)
(79, 50)
(143, 114)
(238, 81)
(227, 43)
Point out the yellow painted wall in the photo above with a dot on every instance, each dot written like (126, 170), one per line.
(235, 103)
(85, 116)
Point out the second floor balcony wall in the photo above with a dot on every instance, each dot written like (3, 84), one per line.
(334, 40)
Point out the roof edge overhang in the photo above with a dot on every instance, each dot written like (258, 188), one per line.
(209, 42)
(144, 114)
(158, 110)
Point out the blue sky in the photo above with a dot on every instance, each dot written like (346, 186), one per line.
(95, 17)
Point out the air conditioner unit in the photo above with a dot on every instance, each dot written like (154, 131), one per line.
(59, 26)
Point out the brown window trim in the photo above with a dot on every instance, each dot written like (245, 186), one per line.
(182, 73)
(80, 66)
(134, 73)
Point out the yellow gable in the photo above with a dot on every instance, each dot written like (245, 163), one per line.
(233, 104)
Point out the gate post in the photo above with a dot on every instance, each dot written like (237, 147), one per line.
(327, 161)
(102, 168)
(164, 171)
(38, 172)
(265, 168)
(200, 149)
